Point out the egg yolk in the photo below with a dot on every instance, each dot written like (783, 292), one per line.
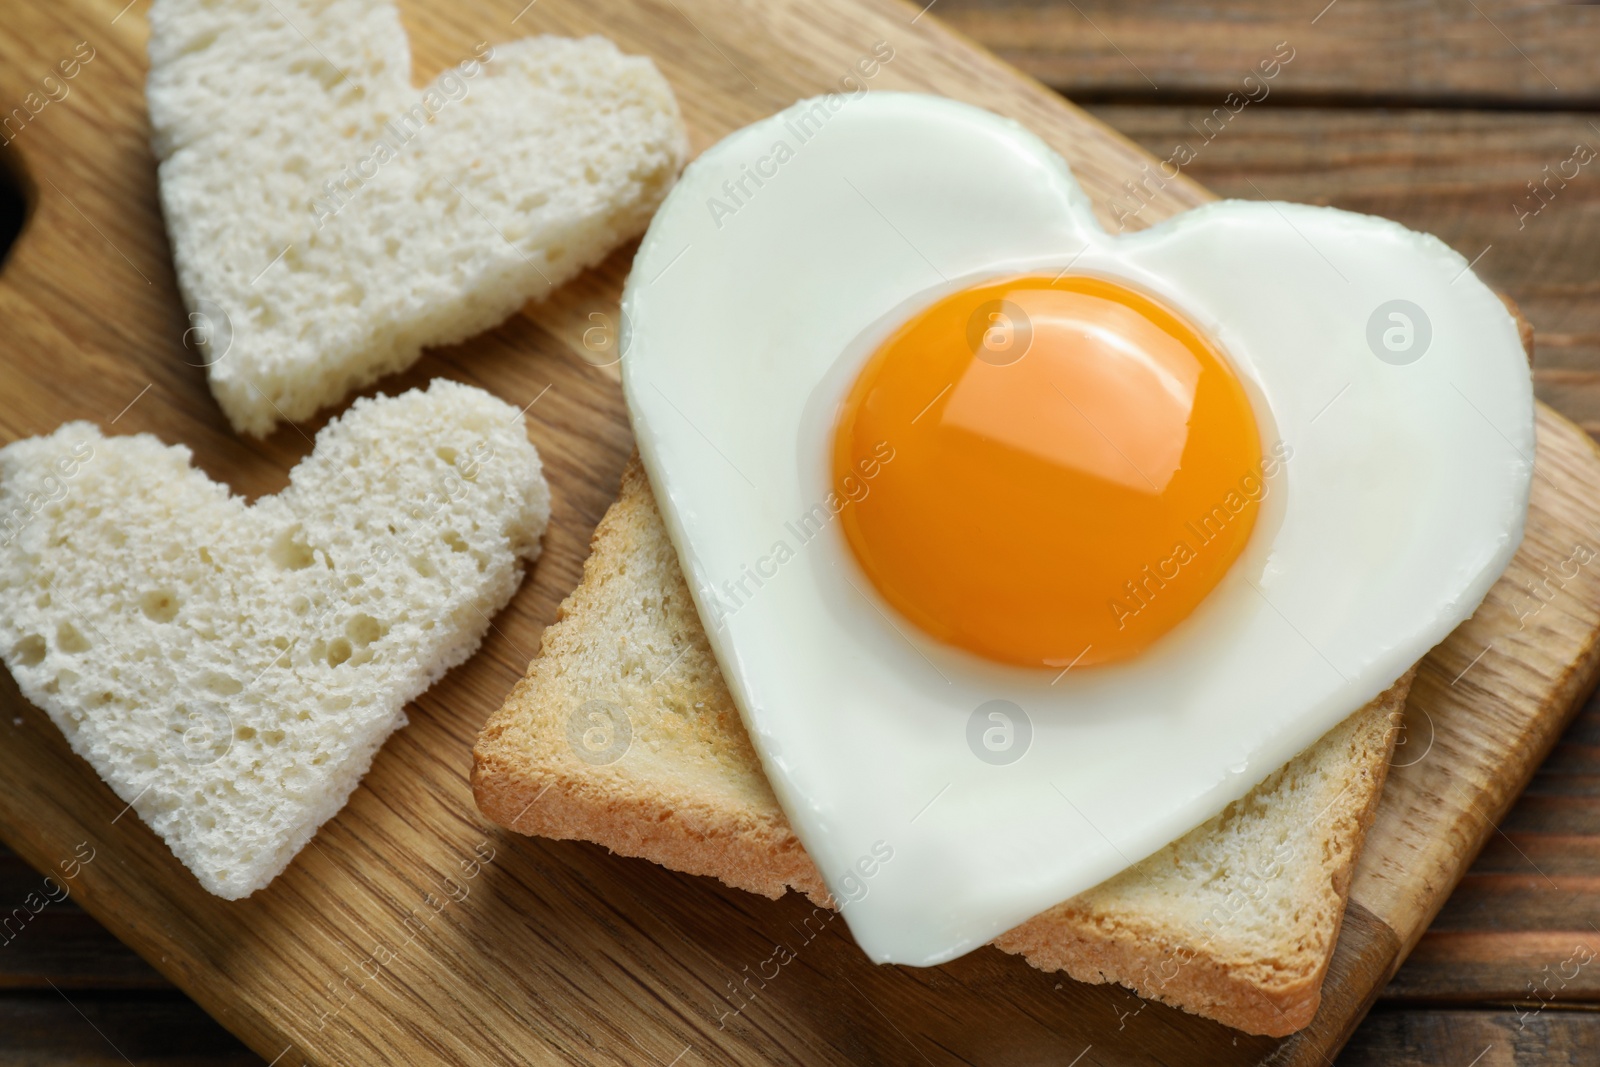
(1049, 472)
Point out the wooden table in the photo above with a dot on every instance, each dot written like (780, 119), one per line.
(1435, 115)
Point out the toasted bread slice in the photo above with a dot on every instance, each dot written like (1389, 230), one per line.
(1236, 921)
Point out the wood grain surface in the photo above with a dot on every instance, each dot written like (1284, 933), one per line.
(1477, 52)
(558, 952)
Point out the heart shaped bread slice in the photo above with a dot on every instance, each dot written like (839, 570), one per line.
(329, 220)
(228, 668)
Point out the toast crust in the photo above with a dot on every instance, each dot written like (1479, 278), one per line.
(691, 796)
(740, 836)
(1095, 939)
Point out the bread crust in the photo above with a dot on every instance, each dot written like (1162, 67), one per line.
(1276, 994)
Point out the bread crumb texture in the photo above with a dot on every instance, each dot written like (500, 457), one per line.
(328, 219)
(1235, 921)
(230, 669)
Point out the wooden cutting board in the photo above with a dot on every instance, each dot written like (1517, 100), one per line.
(412, 930)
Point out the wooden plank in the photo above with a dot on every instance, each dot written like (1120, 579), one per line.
(1521, 924)
(1555, 854)
(45, 937)
(1411, 1038)
(85, 1030)
(1528, 900)
(1462, 175)
(1555, 967)
(71, 949)
(1490, 52)
(1578, 762)
(558, 952)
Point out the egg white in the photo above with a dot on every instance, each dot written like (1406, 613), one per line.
(781, 259)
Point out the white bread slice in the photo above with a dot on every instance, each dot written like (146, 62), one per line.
(1236, 921)
(228, 668)
(328, 220)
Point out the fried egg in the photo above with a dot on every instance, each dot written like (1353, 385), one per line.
(1025, 547)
